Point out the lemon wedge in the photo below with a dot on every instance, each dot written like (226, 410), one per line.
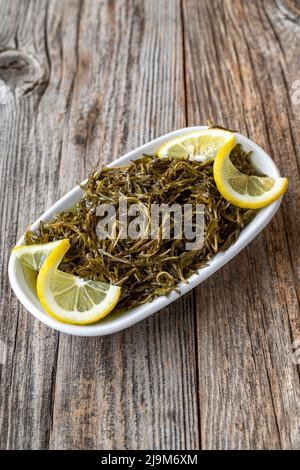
(72, 299)
(251, 192)
(200, 145)
(33, 256)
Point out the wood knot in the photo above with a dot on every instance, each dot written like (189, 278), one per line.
(20, 74)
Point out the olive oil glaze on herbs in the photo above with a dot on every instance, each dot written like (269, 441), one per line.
(146, 268)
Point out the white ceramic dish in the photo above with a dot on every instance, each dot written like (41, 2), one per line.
(25, 292)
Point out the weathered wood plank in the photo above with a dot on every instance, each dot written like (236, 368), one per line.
(88, 81)
(240, 65)
(27, 372)
(130, 390)
(112, 79)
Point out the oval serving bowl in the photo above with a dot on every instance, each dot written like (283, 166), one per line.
(25, 290)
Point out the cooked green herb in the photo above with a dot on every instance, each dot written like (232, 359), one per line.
(146, 268)
(213, 125)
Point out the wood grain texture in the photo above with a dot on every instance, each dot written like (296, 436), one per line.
(82, 82)
(109, 89)
(239, 71)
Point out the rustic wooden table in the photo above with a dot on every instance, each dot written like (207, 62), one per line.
(82, 82)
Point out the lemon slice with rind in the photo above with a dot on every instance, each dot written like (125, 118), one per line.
(251, 192)
(201, 145)
(72, 299)
(33, 256)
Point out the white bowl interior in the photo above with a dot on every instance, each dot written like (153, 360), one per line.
(24, 286)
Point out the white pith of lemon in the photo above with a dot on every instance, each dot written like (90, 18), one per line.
(246, 191)
(66, 297)
(72, 299)
(33, 256)
(200, 145)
